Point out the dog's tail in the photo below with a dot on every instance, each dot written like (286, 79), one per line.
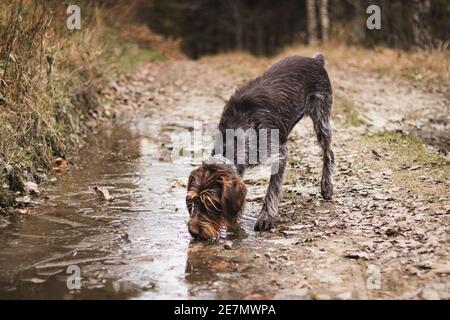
(319, 57)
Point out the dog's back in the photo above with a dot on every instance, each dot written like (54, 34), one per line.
(279, 98)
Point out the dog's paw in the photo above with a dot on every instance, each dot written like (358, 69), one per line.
(327, 192)
(327, 195)
(264, 223)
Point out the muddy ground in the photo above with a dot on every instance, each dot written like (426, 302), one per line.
(384, 234)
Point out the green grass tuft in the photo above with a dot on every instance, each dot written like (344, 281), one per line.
(130, 56)
(346, 112)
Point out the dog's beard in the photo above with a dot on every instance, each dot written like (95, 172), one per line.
(215, 199)
(206, 228)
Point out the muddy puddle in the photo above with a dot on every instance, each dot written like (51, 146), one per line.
(136, 246)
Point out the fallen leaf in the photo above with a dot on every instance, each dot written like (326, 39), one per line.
(103, 193)
(280, 228)
(59, 165)
(356, 255)
(228, 245)
(300, 226)
(221, 265)
(177, 184)
(23, 200)
(255, 198)
(31, 188)
(23, 212)
(34, 280)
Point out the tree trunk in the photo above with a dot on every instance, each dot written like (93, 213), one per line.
(421, 23)
(311, 20)
(324, 20)
(359, 23)
(237, 16)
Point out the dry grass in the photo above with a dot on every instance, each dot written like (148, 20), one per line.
(415, 169)
(48, 74)
(429, 69)
(51, 79)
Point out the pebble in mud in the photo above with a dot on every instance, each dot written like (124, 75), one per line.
(228, 245)
(390, 232)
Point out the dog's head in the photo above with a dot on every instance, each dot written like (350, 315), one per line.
(215, 198)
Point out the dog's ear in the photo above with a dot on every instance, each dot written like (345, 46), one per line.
(233, 198)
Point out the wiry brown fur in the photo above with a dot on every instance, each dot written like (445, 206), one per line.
(277, 100)
(215, 198)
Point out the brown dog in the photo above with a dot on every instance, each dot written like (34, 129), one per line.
(274, 102)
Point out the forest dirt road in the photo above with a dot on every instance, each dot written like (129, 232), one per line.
(384, 234)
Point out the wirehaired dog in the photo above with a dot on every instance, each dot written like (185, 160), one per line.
(291, 89)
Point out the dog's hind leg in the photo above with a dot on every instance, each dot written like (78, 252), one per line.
(272, 200)
(319, 109)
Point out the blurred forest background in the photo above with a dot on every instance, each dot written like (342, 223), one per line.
(263, 27)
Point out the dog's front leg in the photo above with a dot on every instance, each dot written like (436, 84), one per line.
(272, 200)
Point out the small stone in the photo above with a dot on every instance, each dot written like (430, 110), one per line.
(228, 245)
(256, 296)
(430, 294)
(356, 255)
(390, 232)
(31, 188)
(23, 200)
